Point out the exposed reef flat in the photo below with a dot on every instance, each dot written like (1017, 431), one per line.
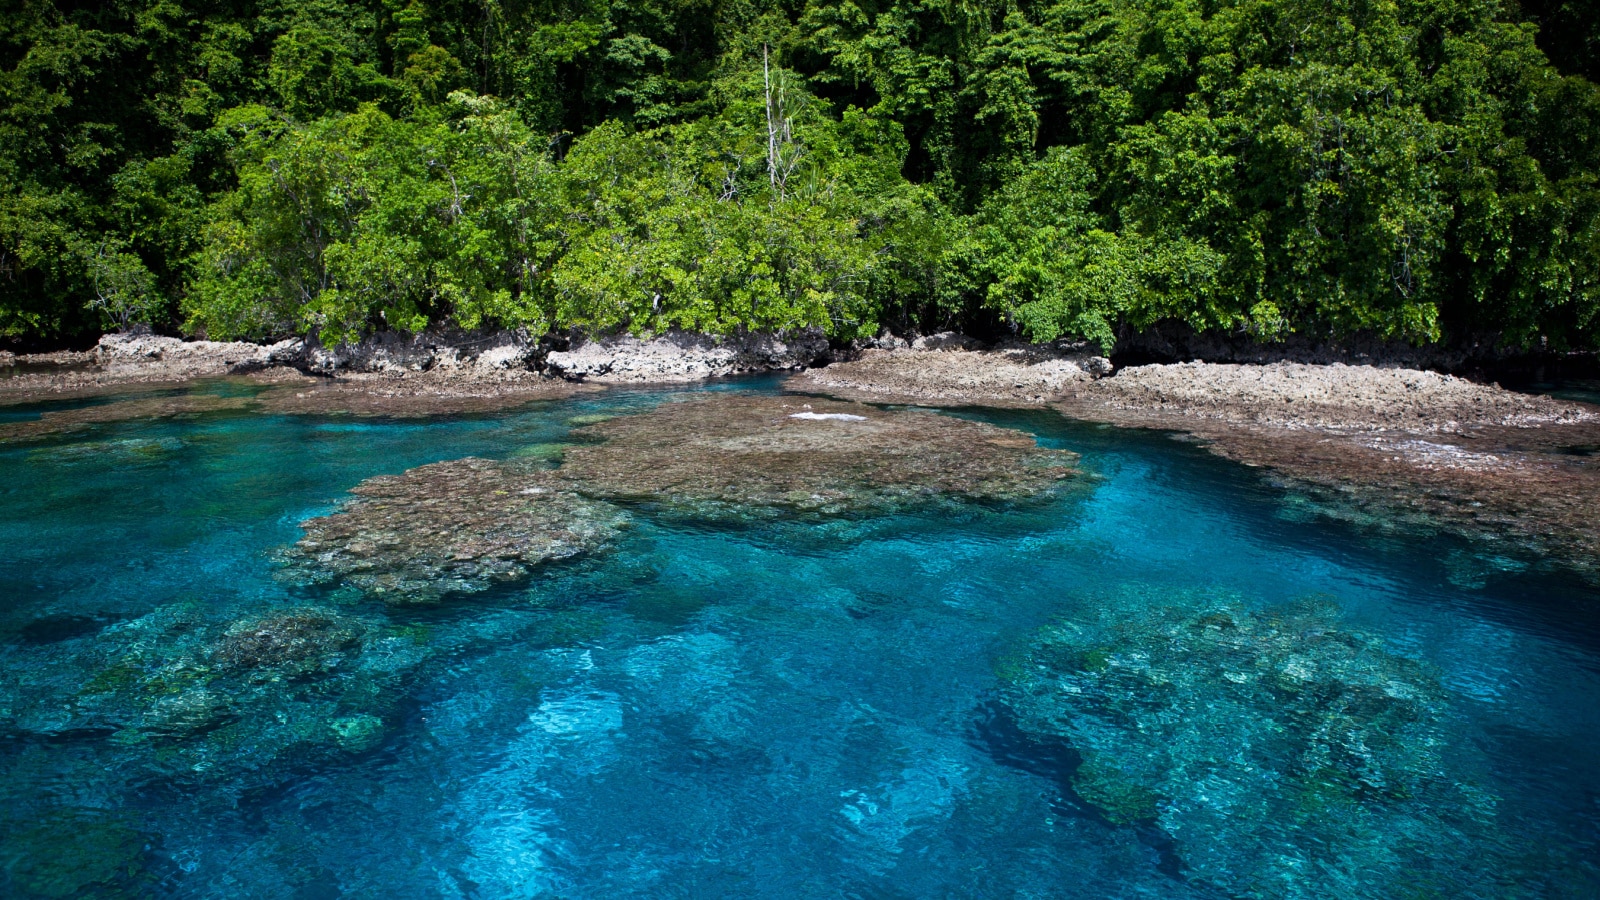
(1385, 447)
(1331, 398)
(955, 375)
(465, 525)
(743, 454)
(1288, 741)
(451, 527)
(287, 392)
(409, 394)
(55, 422)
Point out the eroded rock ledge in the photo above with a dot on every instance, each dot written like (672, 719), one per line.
(680, 356)
(490, 367)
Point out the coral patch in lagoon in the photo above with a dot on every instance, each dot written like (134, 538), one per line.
(1267, 744)
(452, 527)
(462, 526)
(752, 456)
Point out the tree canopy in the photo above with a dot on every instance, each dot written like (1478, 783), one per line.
(1414, 169)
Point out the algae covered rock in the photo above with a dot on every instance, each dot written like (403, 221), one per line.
(298, 641)
(1268, 746)
(451, 527)
(748, 454)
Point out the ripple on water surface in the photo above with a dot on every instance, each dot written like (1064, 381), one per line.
(1168, 683)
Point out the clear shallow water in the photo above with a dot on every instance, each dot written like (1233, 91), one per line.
(784, 711)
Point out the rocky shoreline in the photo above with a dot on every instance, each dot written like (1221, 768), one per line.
(1387, 446)
(1384, 447)
(392, 374)
(387, 375)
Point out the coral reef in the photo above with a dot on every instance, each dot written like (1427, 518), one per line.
(299, 641)
(203, 699)
(55, 422)
(73, 853)
(407, 394)
(451, 527)
(465, 525)
(1362, 442)
(745, 454)
(1266, 745)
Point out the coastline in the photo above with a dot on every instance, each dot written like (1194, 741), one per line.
(1387, 447)
(388, 374)
(1383, 447)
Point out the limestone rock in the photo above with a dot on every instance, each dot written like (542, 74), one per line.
(1022, 375)
(679, 356)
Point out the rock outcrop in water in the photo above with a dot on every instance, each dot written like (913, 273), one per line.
(743, 455)
(1266, 745)
(945, 371)
(451, 527)
(1333, 397)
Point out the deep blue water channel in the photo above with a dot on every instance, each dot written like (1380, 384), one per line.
(769, 711)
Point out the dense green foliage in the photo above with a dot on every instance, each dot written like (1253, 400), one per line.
(1412, 169)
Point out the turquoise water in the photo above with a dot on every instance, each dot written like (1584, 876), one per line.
(784, 710)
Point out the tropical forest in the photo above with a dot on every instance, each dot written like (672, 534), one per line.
(1421, 170)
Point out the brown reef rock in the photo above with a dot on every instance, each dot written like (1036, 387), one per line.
(742, 453)
(410, 395)
(1386, 447)
(1015, 376)
(451, 527)
(1334, 397)
(122, 410)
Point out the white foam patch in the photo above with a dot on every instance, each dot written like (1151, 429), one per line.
(837, 417)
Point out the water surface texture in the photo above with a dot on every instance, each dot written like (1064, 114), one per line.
(776, 709)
